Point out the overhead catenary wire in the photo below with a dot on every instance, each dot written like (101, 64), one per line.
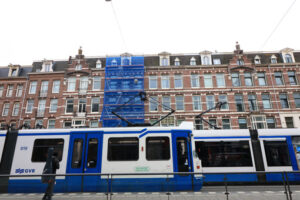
(118, 24)
(278, 24)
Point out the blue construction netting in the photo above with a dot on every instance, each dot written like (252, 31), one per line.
(124, 80)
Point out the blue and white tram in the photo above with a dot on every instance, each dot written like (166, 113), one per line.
(106, 150)
(2, 140)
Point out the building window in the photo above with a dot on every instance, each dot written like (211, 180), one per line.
(44, 87)
(19, 90)
(297, 99)
(71, 84)
(226, 124)
(178, 81)
(51, 123)
(266, 101)
(198, 124)
(16, 109)
(284, 100)
(292, 77)
(193, 61)
(273, 59)
(179, 102)
(177, 62)
(97, 83)
(98, 64)
(53, 105)
(41, 107)
(288, 58)
(166, 103)
(278, 78)
(240, 62)
(67, 124)
(210, 101)
(165, 82)
(14, 72)
(169, 121)
(197, 103)
(152, 82)
(55, 87)
(252, 102)
(257, 60)
(208, 83)
(223, 99)
(5, 109)
(164, 61)
(82, 105)
(195, 81)
(70, 105)
(26, 124)
(259, 122)
(153, 106)
(205, 60)
(29, 106)
(84, 81)
(242, 123)
(261, 79)
(213, 123)
(10, 89)
(220, 80)
(47, 67)
(271, 122)
(289, 122)
(1, 90)
(157, 148)
(239, 102)
(235, 78)
(95, 104)
(94, 124)
(217, 61)
(248, 79)
(78, 67)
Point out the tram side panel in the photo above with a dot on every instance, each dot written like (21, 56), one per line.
(2, 140)
(30, 157)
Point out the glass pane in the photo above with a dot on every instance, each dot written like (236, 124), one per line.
(157, 148)
(77, 153)
(182, 155)
(92, 153)
(123, 149)
(41, 146)
(277, 153)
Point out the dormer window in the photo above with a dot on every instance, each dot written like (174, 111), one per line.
(217, 61)
(206, 60)
(98, 64)
(273, 59)
(288, 58)
(14, 72)
(164, 61)
(114, 62)
(47, 66)
(126, 60)
(257, 60)
(177, 62)
(78, 67)
(240, 62)
(193, 61)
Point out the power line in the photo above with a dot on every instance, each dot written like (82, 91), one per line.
(119, 26)
(278, 24)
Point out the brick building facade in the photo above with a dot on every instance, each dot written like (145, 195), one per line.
(261, 90)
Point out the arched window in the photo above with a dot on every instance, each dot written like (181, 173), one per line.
(205, 60)
(288, 58)
(193, 61)
(177, 62)
(114, 62)
(273, 59)
(98, 64)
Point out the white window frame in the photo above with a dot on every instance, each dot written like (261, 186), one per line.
(197, 102)
(16, 109)
(1, 90)
(71, 84)
(53, 105)
(5, 109)
(217, 61)
(220, 80)
(41, 106)
(179, 101)
(29, 100)
(166, 79)
(208, 101)
(178, 81)
(44, 87)
(153, 104)
(195, 79)
(166, 101)
(51, 120)
(32, 88)
(56, 86)
(208, 81)
(9, 90)
(84, 83)
(19, 90)
(153, 80)
(93, 102)
(96, 83)
(224, 100)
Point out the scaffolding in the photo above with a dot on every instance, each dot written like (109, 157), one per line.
(124, 80)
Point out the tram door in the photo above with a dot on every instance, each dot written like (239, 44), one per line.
(85, 155)
(296, 146)
(182, 160)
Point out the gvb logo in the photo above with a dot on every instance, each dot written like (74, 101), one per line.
(25, 171)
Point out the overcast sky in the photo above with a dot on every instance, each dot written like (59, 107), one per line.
(54, 29)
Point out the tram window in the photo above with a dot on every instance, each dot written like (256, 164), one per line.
(77, 153)
(224, 154)
(92, 153)
(123, 149)
(157, 148)
(41, 146)
(277, 153)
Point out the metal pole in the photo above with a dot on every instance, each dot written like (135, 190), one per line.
(285, 189)
(168, 191)
(288, 186)
(111, 180)
(226, 187)
(107, 187)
